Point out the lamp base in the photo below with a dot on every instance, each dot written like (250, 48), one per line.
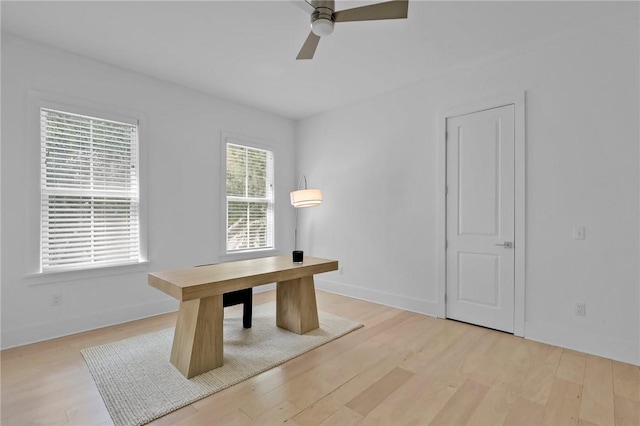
(298, 256)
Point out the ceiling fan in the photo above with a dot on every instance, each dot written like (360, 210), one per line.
(324, 16)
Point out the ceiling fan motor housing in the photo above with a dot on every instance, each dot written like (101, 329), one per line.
(322, 21)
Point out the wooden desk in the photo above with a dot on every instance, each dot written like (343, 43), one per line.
(197, 343)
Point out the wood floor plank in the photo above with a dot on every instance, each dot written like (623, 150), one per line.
(58, 407)
(505, 392)
(459, 408)
(233, 417)
(497, 357)
(597, 393)
(539, 380)
(627, 411)
(525, 413)
(583, 422)
(276, 415)
(506, 389)
(447, 338)
(626, 380)
(474, 357)
(48, 415)
(571, 366)
(432, 395)
(495, 406)
(376, 393)
(256, 404)
(343, 417)
(563, 406)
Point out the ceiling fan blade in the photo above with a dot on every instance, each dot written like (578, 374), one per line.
(304, 5)
(396, 9)
(309, 47)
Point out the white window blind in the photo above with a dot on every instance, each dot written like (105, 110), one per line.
(249, 198)
(90, 194)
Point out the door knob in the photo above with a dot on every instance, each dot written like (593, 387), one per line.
(506, 244)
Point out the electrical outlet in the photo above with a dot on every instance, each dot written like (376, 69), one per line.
(578, 232)
(580, 309)
(341, 270)
(56, 300)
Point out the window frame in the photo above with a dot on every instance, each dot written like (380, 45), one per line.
(38, 100)
(234, 139)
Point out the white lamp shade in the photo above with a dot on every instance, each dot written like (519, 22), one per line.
(322, 27)
(306, 198)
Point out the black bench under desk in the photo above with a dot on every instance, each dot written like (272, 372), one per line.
(244, 296)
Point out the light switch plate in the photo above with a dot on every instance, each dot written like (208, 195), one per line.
(578, 233)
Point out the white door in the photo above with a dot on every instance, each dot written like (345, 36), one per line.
(480, 218)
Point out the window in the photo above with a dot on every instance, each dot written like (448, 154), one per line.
(249, 190)
(89, 192)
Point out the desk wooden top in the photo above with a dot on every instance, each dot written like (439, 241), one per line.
(204, 281)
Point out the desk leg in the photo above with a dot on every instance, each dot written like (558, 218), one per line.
(197, 343)
(296, 308)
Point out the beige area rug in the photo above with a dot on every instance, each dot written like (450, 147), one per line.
(139, 384)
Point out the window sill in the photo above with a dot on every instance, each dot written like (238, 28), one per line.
(50, 277)
(245, 255)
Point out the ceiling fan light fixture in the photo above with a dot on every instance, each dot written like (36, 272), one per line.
(322, 21)
(322, 27)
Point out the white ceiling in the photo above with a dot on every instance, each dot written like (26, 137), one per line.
(245, 50)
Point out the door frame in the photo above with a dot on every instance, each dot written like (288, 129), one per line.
(518, 101)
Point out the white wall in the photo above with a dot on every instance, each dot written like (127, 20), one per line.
(376, 162)
(181, 132)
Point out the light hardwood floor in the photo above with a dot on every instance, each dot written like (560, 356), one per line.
(401, 368)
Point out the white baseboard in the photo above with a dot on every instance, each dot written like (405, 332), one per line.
(623, 350)
(388, 299)
(263, 288)
(51, 330)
